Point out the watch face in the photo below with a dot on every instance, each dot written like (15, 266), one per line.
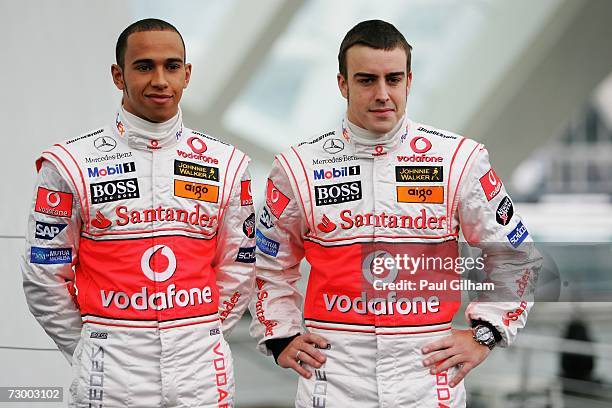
(483, 333)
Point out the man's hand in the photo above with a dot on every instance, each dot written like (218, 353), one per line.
(459, 348)
(301, 349)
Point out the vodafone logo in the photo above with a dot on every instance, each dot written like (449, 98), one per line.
(379, 151)
(54, 203)
(145, 263)
(196, 144)
(492, 179)
(491, 184)
(420, 144)
(53, 199)
(275, 199)
(274, 195)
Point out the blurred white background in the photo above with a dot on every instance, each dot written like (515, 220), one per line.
(530, 79)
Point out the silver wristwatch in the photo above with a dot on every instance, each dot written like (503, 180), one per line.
(484, 335)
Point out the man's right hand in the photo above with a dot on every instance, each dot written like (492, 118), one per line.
(302, 350)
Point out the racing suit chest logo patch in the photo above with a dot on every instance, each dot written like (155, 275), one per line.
(115, 190)
(420, 194)
(338, 193)
(419, 174)
(196, 191)
(187, 169)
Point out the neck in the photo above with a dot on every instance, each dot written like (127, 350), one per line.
(368, 134)
(146, 128)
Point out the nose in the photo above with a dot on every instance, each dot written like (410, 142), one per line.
(382, 93)
(159, 78)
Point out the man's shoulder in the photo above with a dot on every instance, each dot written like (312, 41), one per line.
(89, 136)
(422, 129)
(318, 141)
(208, 142)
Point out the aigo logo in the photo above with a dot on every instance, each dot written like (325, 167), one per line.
(145, 263)
(196, 145)
(420, 144)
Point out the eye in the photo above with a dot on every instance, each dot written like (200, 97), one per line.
(173, 66)
(365, 81)
(142, 67)
(394, 80)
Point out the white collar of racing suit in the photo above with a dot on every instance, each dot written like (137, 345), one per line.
(144, 135)
(368, 144)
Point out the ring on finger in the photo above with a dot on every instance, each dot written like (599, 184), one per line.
(297, 356)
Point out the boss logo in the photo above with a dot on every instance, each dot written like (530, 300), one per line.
(338, 193)
(114, 190)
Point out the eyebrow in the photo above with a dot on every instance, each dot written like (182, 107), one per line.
(150, 61)
(367, 75)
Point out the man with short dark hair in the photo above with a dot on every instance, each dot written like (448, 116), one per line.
(140, 242)
(376, 206)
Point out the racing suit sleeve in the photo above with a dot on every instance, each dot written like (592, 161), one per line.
(235, 258)
(511, 262)
(277, 308)
(50, 255)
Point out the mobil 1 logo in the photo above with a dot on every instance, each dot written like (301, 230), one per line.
(338, 193)
(115, 190)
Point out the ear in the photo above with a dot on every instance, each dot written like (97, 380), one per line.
(187, 75)
(117, 75)
(342, 85)
(408, 83)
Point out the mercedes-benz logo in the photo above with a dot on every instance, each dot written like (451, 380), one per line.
(105, 143)
(333, 146)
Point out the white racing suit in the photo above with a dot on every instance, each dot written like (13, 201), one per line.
(139, 259)
(342, 202)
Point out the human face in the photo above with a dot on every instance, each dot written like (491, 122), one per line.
(154, 75)
(376, 87)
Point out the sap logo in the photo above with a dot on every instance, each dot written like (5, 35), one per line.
(338, 193)
(518, 235)
(326, 174)
(48, 231)
(266, 219)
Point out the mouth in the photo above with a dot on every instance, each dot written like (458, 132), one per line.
(160, 99)
(382, 112)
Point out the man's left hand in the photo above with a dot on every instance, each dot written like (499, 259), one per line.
(458, 349)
